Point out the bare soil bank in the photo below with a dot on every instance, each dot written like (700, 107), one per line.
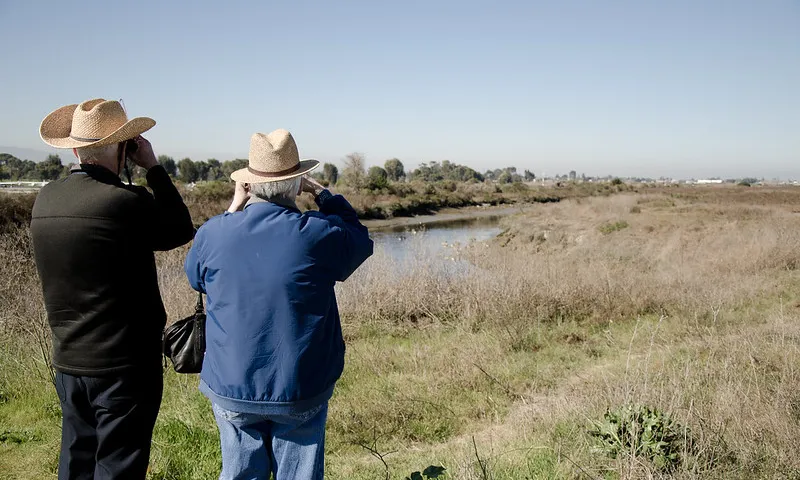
(447, 216)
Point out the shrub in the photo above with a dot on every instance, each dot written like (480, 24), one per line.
(607, 228)
(401, 189)
(213, 191)
(377, 179)
(431, 472)
(644, 432)
(519, 187)
(447, 185)
(15, 210)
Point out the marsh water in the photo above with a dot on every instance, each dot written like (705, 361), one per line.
(435, 241)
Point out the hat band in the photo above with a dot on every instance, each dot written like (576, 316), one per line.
(274, 174)
(81, 139)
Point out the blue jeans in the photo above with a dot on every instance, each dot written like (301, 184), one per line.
(289, 446)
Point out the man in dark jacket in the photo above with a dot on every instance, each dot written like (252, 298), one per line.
(93, 240)
(273, 335)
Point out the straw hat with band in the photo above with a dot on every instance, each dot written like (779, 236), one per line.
(273, 157)
(93, 123)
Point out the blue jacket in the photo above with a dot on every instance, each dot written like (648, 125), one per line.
(273, 337)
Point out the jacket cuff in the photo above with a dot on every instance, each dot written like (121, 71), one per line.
(323, 197)
(157, 177)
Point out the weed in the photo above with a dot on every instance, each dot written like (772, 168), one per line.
(18, 438)
(643, 431)
(431, 472)
(607, 228)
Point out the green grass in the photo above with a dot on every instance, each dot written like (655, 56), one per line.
(408, 395)
(398, 391)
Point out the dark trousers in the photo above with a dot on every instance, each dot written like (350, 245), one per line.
(107, 424)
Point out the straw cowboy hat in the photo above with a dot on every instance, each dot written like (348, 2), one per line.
(273, 157)
(93, 123)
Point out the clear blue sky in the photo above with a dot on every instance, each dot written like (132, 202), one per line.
(639, 87)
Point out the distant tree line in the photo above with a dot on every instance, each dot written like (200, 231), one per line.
(12, 168)
(354, 172)
(509, 175)
(356, 175)
(446, 170)
(188, 171)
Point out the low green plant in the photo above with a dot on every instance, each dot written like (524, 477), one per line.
(433, 471)
(645, 432)
(20, 437)
(607, 228)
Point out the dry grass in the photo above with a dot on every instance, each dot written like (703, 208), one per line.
(679, 310)
(494, 360)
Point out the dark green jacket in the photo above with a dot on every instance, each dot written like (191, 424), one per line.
(93, 240)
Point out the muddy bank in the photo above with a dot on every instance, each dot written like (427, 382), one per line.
(451, 215)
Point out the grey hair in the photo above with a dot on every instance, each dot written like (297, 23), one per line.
(282, 189)
(98, 154)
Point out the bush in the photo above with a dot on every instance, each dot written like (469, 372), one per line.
(377, 179)
(607, 228)
(644, 432)
(447, 185)
(15, 210)
(519, 187)
(401, 189)
(212, 191)
(429, 473)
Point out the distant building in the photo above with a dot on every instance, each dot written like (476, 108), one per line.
(707, 181)
(21, 186)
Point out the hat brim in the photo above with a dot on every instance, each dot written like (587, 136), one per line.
(244, 175)
(56, 127)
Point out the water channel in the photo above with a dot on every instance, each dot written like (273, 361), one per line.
(404, 243)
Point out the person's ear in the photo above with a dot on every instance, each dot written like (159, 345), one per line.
(75, 152)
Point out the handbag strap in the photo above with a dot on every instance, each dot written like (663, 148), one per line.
(199, 307)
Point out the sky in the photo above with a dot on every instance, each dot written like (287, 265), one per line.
(682, 88)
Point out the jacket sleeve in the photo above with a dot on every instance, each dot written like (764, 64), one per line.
(355, 246)
(168, 223)
(194, 265)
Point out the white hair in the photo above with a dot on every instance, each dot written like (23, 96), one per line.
(282, 189)
(98, 154)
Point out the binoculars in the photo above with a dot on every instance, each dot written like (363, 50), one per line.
(131, 146)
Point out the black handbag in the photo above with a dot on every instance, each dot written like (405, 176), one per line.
(184, 342)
